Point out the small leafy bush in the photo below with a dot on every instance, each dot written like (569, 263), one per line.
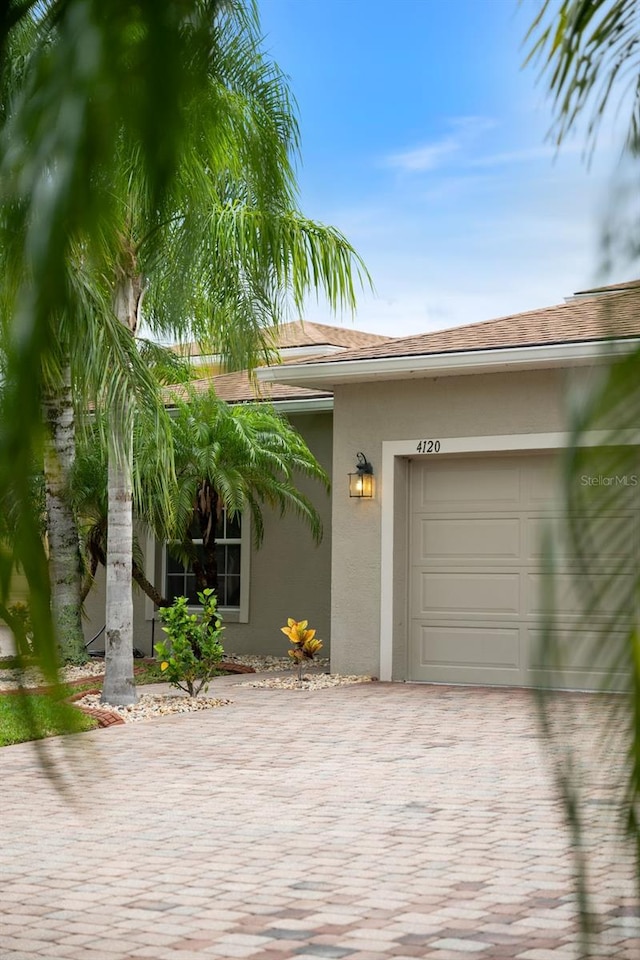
(191, 656)
(305, 643)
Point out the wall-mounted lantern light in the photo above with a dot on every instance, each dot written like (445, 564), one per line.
(361, 482)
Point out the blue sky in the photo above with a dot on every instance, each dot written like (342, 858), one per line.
(424, 141)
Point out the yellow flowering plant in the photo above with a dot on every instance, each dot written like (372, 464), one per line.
(305, 643)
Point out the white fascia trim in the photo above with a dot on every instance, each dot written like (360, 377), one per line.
(502, 443)
(444, 364)
(312, 405)
(304, 405)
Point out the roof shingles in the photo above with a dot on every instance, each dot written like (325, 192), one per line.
(301, 333)
(577, 321)
(240, 388)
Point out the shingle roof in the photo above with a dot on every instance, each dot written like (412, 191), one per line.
(578, 320)
(239, 388)
(301, 333)
(612, 288)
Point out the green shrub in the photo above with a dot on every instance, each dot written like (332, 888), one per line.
(193, 650)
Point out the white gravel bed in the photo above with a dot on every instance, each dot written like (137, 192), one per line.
(270, 664)
(318, 681)
(151, 705)
(10, 679)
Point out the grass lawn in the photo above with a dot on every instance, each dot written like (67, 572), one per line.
(34, 716)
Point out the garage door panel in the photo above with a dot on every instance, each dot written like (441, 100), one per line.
(606, 592)
(606, 538)
(465, 594)
(480, 485)
(468, 654)
(541, 484)
(477, 593)
(580, 658)
(457, 539)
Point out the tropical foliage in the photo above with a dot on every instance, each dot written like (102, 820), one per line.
(590, 58)
(110, 202)
(589, 52)
(304, 640)
(237, 459)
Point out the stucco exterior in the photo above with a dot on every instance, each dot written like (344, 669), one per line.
(289, 576)
(365, 416)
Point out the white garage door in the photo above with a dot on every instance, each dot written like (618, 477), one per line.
(476, 588)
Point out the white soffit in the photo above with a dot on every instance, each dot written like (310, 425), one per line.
(308, 405)
(325, 375)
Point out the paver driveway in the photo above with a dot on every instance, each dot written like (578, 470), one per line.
(367, 822)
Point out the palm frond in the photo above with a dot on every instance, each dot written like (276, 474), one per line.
(589, 54)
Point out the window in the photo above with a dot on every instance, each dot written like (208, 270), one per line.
(181, 581)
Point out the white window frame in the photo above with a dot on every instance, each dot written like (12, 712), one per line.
(239, 614)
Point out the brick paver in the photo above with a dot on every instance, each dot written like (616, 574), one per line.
(371, 822)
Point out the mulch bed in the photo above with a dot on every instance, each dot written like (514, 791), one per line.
(235, 667)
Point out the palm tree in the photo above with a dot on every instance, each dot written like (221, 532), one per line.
(65, 563)
(589, 52)
(206, 231)
(235, 459)
(73, 78)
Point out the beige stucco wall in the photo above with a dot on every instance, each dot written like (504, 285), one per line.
(365, 415)
(289, 575)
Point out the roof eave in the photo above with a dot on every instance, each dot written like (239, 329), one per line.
(325, 375)
(292, 405)
(305, 405)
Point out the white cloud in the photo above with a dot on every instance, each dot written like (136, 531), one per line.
(494, 231)
(524, 155)
(514, 156)
(430, 156)
(424, 158)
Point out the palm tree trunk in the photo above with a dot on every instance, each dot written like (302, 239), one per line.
(151, 591)
(65, 563)
(145, 585)
(206, 509)
(119, 686)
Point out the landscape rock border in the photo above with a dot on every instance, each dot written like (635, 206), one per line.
(148, 706)
(104, 716)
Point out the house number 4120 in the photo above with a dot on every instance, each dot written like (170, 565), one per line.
(428, 446)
